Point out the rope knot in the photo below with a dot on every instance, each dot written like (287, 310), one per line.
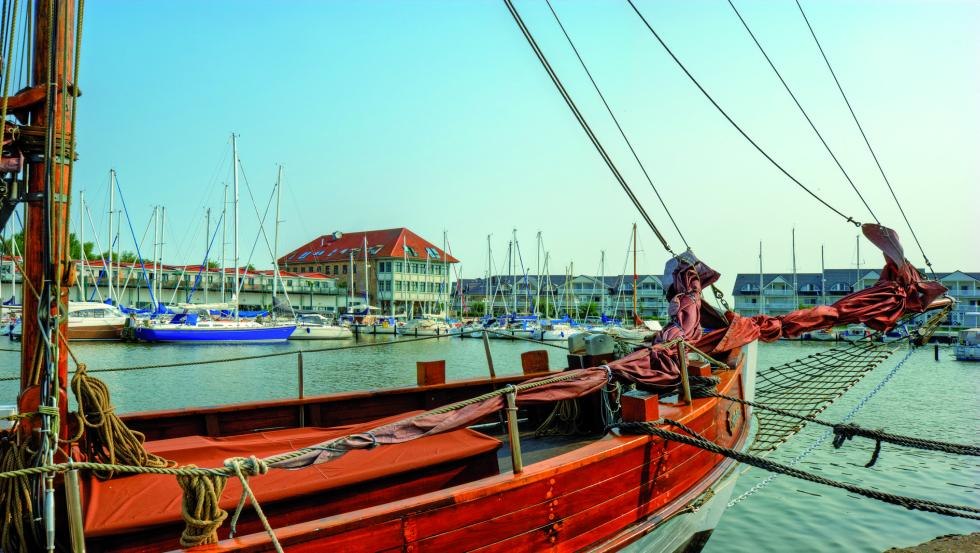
(843, 432)
(248, 466)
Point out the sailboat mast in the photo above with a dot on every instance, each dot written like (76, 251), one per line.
(602, 282)
(207, 246)
(81, 242)
(163, 224)
(796, 293)
(635, 314)
(762, 302)
(224, 240)
(151, 286)
(857, 281)
(823, 279)
(112, 200)
(234, 172)
(275, 242)
(537, 277)
(367, 301)
(489, 286)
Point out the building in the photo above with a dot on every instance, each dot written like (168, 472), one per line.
(187, 284)
(579, 296)
(403, 272)
(779, 296)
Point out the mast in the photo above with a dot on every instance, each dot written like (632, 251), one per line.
(151, 287)
(112, 200)
(224, 240)
(762, 299)
(81, 242)
(602, 282)
(635, 314)
(857, 281)
(796, 293)
(234, 172)
(537, 278)
(207, 252)
(489, 286)
(823, 279)
(44, 358)
(367, 301)
(159, 280)
(275, 242)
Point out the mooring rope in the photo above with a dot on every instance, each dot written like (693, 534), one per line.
(696, 440)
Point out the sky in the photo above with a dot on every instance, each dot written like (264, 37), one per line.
(435, 115)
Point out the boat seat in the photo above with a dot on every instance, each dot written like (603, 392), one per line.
(133, 503)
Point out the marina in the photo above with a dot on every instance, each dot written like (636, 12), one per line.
(340, 336)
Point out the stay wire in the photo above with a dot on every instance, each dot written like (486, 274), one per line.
(803, 111)
(865, 137)
(585, 125)
(736, 125)
(618, 126)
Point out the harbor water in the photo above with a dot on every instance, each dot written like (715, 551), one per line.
(926, 398)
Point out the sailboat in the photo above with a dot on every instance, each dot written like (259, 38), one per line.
(195, 323)
(374, 471)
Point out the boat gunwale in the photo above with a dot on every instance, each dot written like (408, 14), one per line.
(606, 446)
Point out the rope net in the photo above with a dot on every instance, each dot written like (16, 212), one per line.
(805, 387)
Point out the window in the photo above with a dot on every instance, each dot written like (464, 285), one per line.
(374, 250)
(345, 269)
(410, 251)
(433, 253)
(398, 266)
(355, 269)
(335, 271)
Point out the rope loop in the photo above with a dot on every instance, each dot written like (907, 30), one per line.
(247, 466)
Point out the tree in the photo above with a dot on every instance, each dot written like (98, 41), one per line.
(212, 264)
(590, 309)
(475, 308)
(76, 248)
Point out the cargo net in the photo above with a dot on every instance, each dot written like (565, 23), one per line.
(807, 386)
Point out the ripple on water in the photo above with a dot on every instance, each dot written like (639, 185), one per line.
(927, 398)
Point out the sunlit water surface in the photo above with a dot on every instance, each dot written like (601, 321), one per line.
(925, 398)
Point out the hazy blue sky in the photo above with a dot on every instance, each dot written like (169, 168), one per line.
(435, 115)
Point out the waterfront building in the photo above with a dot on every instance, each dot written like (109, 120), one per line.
(405, 272)
(305, 291)
(580, 296)
(779, 297)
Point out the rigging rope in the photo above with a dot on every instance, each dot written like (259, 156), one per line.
(736, 125)
(803, 111)
(618, 126)
(585, 125)
(696, 440)
(865, 137)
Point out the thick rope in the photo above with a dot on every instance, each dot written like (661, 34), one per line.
(844, 431)
(107, 438)
(16, 503)
(696, 440)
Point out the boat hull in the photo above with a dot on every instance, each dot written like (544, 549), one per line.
(95, 331)
(967, 353)
(321, 333)
(214, 335)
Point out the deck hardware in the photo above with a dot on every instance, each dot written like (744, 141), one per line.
(73, 493)
(685, 383)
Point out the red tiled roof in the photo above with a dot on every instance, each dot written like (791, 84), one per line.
(381, 243)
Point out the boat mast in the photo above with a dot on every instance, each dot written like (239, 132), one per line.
(275, 243)
(602, 282)
(636, 315)
(367, 302)
(762, 302)
(796, 293)
(489, 286)
(537, 278)
(112, 200)
(81, 242)
(234, 172)
(857, 281)
(207, 251)
(224, 240)
(823, 279)
(44, 358)
(159, 279)
(151, 287)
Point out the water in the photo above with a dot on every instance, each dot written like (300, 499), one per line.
(926, 398)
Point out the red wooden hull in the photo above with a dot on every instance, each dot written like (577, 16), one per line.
(607, 494)
(603, 496)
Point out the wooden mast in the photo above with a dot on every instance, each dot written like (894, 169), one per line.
(47, 266)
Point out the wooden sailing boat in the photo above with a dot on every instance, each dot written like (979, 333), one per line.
(436, 481)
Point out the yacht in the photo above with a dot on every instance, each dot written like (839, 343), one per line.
(314, 326)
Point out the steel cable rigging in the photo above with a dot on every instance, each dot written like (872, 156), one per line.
(736, 125)
(616, 121)
(865, 137)
(584, 124)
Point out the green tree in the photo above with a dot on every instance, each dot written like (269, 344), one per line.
(475, 308)
(212, 264)
(590, 309)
